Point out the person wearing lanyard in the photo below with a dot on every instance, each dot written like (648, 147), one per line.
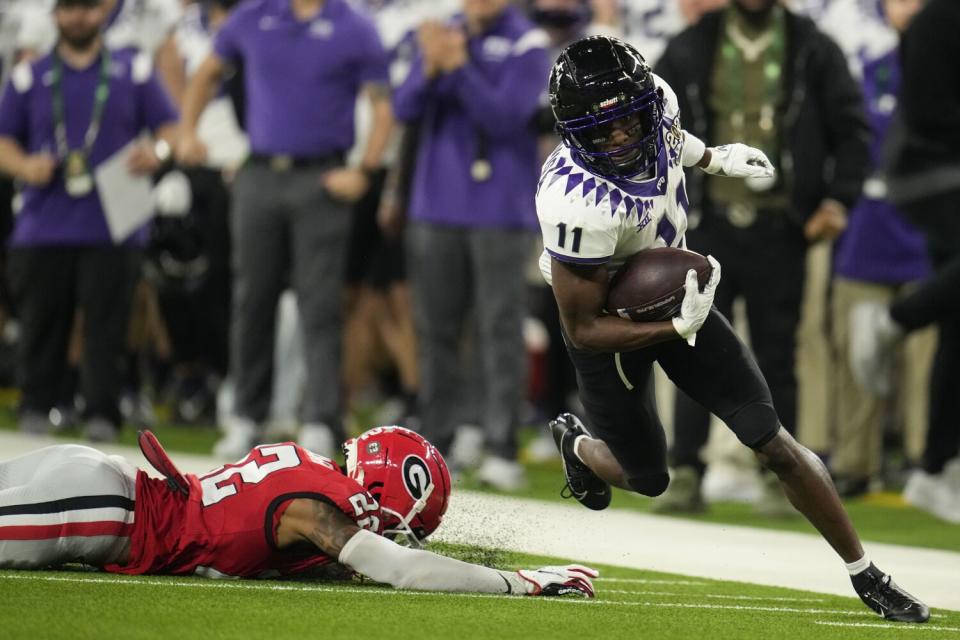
(60, 117)
(304, 61)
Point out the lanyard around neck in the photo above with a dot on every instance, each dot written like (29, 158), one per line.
(736, 48)
(99, 102)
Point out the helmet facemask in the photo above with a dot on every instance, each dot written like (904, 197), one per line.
(638, 120)
(400, 469)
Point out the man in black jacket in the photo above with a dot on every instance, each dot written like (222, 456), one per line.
(758, 73)
(924, 181)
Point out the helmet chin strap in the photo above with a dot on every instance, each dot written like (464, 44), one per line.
(403, 526)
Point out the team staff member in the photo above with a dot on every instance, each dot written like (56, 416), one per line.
(53, 135)
(305, 61)
(757, 72)
(475, 87)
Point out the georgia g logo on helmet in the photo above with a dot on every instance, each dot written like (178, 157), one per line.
(416, 476)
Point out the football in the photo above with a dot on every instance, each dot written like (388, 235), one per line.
(649, 286)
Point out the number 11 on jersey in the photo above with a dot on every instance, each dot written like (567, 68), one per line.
(576, 232)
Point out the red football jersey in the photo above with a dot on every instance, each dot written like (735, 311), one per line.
(228, 522)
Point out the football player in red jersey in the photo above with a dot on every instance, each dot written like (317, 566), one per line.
(280, 510)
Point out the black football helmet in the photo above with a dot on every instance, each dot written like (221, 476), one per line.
(601, 85)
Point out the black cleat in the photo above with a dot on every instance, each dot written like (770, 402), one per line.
(582, 483)
(879, 592)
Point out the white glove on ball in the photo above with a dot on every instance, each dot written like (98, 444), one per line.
(696, 305)
(739, 161)
(573, 579)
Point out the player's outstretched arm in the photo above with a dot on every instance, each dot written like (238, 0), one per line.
(581, 293)
(736, 161)
(385, 561)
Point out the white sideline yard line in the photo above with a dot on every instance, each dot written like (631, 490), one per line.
(887, 625)
(711, 595)
(642, 541)
(698, 549)
(252, 586)
(649, 581)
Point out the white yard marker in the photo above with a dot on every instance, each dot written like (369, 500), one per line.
(651, 581)
(893, 626)
(254, 586)
(711, 595)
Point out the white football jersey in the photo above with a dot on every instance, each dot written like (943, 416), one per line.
(586, 219)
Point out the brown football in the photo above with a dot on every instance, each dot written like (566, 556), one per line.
(649, 286)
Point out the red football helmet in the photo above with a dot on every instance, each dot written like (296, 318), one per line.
(405, 474)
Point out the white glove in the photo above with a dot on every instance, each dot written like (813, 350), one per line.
(739, 161)
(696, 305)
(573, 579)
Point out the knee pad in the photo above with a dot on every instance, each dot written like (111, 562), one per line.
(650, 485)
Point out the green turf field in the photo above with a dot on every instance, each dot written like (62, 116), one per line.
(630, 604)
(879, 517)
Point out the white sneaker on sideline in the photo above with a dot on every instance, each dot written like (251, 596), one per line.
(502, 474)
(950, 478)
(100, 430)
(873, 334)
(466, 451)
(724, 482)
(318, 438)
(542, 449)
(239, 436)
(932, 494)
(951, 475)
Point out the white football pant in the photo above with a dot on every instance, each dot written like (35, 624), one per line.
(65, 503)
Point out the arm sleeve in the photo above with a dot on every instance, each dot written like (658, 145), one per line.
(693, 149)
(226, 44)
(505, 105)
(410, 98)
(13, 111)
(155, 106)
(374, 62)
(385, 561)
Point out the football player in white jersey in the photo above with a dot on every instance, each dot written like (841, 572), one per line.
(616, 187)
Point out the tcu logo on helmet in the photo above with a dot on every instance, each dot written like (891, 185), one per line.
(416, 476)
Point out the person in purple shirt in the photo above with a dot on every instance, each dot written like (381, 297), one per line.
(474, 87)
(60, 117)
(879, 255)
(304, 64)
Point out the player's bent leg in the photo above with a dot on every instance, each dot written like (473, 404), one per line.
(598, 457)
(66, 503)
(810, 490)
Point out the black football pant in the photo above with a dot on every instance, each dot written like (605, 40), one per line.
(47, 285)
(765, 264)
(938, 301)
(617, 391)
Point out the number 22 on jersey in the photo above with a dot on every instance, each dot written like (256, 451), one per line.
(223, 482)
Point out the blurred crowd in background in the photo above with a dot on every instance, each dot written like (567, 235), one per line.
(343, 224)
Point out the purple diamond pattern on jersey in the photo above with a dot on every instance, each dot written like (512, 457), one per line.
(588, 186)
(573, 180)
(559, 173)
(602, 192)
(667, 231)
(635, 196)
(616, 196)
